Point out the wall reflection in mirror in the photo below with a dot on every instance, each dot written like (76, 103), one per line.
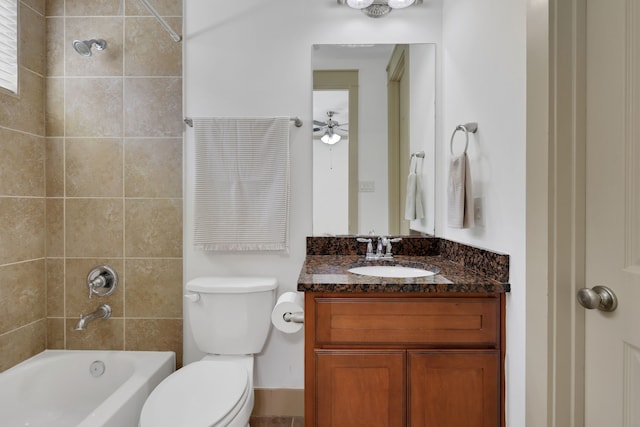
(376, 105)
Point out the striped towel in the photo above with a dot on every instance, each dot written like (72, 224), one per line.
(242, 184)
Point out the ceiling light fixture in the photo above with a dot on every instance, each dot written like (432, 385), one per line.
(378, 8)
(330, 137)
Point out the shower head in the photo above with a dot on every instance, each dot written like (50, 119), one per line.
(83, 47)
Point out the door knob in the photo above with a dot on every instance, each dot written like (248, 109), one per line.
(599, 297)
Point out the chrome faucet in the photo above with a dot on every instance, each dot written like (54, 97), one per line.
(369, 255)
(102, 312)
(384, 243)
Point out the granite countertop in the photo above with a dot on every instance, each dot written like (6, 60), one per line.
(323, 272)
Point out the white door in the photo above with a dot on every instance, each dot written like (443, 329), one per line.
(612, 347)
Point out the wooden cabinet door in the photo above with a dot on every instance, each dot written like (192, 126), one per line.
(363, 388)
(454, 388)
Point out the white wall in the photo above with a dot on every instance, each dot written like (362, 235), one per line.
(423, 116)
(330, 188)
(254, 58)
(485, 82)
(373, 213)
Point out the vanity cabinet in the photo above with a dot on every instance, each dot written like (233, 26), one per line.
(376, 360)
(360, 388)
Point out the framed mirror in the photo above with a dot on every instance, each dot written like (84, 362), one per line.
(374, 139)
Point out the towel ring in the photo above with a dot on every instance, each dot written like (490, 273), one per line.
(466, 128)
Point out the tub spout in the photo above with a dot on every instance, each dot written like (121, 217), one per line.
(102, 312)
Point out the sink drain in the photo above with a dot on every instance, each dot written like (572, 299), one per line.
(97, 368)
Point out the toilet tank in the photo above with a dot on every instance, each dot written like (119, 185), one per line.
(230, 315)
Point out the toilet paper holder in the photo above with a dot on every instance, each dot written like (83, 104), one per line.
(288, 313)
(296, 317)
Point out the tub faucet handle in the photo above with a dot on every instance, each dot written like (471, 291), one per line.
(102, 281)
(98, 282)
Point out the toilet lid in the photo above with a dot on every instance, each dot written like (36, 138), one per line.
(200, 394)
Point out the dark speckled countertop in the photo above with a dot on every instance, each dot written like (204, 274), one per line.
(461, 268)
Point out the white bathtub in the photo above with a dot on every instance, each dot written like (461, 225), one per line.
(64, 388)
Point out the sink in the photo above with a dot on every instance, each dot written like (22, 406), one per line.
(391, 271)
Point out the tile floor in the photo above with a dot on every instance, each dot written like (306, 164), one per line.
(277, 421)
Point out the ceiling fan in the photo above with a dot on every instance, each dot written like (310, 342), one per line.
(330, 129)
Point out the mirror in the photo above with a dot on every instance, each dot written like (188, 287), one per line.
(376, 105)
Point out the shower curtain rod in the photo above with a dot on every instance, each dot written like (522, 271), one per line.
(175, 36)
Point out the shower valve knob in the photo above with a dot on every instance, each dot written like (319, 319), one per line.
(102, 281)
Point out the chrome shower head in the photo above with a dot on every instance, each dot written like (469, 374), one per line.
(83, 47)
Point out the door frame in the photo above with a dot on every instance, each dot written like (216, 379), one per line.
(556, 176)
(398, 147)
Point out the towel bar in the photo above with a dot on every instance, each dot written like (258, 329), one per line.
(466, 128)
(296, 121)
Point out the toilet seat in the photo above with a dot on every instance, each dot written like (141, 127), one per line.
(203, 393)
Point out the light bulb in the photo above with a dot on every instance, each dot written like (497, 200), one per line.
(359, 4)
(330, 138)
(399, 4)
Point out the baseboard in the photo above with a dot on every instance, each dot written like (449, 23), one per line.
(281, 402)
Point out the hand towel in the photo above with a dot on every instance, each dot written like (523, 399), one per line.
(459, 193)
(242, 184)
(414, 208)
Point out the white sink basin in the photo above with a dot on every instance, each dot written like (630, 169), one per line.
(391, 271)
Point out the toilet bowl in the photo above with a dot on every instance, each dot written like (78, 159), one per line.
(230, 318)
(204, 393)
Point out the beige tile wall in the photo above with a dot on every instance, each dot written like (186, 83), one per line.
(114, 173)
(22, 198)
(104, 186)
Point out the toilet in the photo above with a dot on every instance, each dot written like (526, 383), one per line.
(230, 318)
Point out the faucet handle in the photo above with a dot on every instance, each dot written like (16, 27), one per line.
(96, 283)
(387, 244)
(102, 281)
(369, 245)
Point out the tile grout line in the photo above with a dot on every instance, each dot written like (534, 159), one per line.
(124, 203)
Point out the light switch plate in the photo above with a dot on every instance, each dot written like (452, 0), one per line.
(367, 186)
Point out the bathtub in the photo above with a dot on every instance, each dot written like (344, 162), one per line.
(83, 388)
